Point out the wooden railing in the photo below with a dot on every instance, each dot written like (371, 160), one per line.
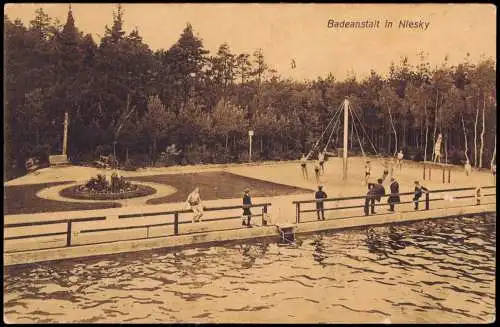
(172, 218)
(299, 204)
(174, 213)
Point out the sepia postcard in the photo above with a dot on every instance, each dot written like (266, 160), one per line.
(249, 163)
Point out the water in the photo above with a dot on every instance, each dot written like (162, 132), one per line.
(426, 272)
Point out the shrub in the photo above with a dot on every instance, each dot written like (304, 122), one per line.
(197, 154)
(139, 160)
(456, 156)
(100, 184)
(42, 153)
(97, 184)
(103, 150)
(119, 184)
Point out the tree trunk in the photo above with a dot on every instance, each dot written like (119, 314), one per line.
(153, 156)
(482, 134)
(404, 136)
(395, 133)
(227, 139)
(435, 124)
(421, 135)
(465, 139)
(475, 132)
(446, 148)
(426, 129)
(494, 153)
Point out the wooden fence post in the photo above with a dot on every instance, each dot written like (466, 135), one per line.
(176, 223)
(68, 235)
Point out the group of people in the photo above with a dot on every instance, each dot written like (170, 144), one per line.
(376, 191)
(319, 165)
(193, 201)
(374, 194)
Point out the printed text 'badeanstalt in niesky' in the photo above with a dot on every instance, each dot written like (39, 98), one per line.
(404, 24)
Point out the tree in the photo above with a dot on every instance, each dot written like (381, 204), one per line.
(157, 122)
(390, 100)
(228, 119)
(185, 61)
(243, 66)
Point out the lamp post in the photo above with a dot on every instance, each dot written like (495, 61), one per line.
(250, 134)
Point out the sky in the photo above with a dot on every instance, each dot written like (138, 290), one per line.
(300, 32)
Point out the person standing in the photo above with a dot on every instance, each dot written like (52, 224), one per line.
(468, 168)
(437, 148)
(247, 204)
(194, 201)
(303, 165)
(385, 164)
(317, 170)
(394, 196)
(391, 166)
(379, 191)
(320, 195)
(370, 199)
(478, 195)
(368, 170)
(399, 158)
(419, 190)
(321, 159)
(494, 173)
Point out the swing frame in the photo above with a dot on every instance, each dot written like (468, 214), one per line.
(427, 168)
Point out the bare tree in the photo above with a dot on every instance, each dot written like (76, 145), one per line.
(494, 153)
(475, 132)
(465, 137)
(482, 134)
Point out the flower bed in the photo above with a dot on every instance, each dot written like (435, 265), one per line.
(100, 188)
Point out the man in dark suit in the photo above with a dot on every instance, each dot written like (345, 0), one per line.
(419, 190)
(379, 192)
(394, 196)
(247, 204)
(320, 196)
(370, 199)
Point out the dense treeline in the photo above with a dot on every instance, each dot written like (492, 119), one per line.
(121, 91)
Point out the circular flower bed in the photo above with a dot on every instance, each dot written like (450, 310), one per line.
(99, 188)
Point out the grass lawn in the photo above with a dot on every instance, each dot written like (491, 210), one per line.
(22, 199)
(217, 185)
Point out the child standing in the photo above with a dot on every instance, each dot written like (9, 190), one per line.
(247, 203)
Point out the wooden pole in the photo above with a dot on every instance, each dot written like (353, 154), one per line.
(346, 132)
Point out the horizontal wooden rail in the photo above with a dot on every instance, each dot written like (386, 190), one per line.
(37, 235)
(175, 222)
(426, 199)
(358, 197)
(172, 212)
(38, 223)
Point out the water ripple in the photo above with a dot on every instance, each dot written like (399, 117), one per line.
(439, 271)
